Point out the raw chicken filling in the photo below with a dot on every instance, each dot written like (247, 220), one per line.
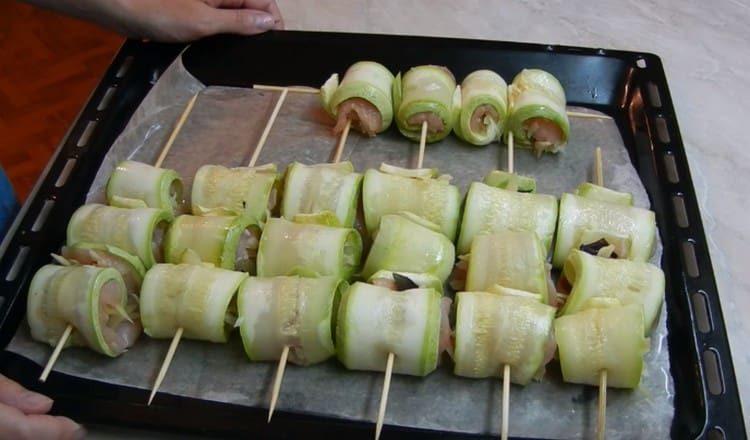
(482, 117)
(175, 195)
(102, 258)
(543, 133)
(434, 122)
(363, 115)
(247, 250)
(119, 329)
(157, 241)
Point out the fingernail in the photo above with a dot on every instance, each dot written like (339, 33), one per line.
(265, 22)
(79, 433)
(36, 400)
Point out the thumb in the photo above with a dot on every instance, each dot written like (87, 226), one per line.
(241, 21)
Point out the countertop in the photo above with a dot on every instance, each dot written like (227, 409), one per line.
(704, 49)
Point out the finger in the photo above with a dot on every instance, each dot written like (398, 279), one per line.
(269, 6)
(239, 21)
(26, 401)
(16, 425)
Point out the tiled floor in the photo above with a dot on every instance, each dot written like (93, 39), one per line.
(49, 65)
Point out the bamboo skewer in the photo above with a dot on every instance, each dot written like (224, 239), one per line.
(602, 417)
(506, 402)
(584, 115)
(56, 353)
(277, 381)
(267, 129)
(510, 152)
(384, 394)
(165, 364)
(598, 173)
(175, 131)
(422, 143)
(342, 141)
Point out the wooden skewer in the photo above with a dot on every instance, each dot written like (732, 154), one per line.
(422, 143)
(510, 152)
(506, 402)
(173, 135)
(277, 381)
(267, 129)
(56, 353)
(295, 89)
(166, 363)
(384, 394)
(602, 418)
(587, 115)
(598, 173)
(342, 142)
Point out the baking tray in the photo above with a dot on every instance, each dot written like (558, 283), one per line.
(631, 87)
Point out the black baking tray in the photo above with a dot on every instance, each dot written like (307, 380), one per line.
(629, 86)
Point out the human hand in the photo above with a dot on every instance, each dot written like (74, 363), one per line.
(23, 415)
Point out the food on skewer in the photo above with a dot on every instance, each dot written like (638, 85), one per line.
(491, 209)
(406, 280)
(608, 337)
(537, 111)
(603, 194)
(484, 108)
(92, 300)
(364, 98)
(139, 185)
(588, 222)
(289, 311)
(374, 321)
(251, 192)
(494, 330)
(312, 189)
(195, 298)
(226, 242)
(422, 192)
(510, 259)
(405, 242)
(593, 278)
(308, 249)
(510, 181)
(95, 254)
(138, 231)
(426, 94)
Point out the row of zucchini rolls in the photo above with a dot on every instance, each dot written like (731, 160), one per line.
(285, 281)
(481, 110)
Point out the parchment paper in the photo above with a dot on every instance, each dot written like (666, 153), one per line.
(223, 128)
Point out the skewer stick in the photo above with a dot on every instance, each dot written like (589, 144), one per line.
(602, 418)
(165, 364)
(177, 128)
(598, 173)
(587, 115)
(342, 142)
(510, 152)
(506, 402)
(56, 353)
(384, 394)
(422, 143)
(294, 89)
(277, 381)
(267, 129)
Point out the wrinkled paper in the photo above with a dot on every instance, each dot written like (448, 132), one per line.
(223, 128)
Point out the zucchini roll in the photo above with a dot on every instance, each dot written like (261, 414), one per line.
(510, 181)
(95, 254)
(289, 311)
(514, 259)
(538, 118)
(226, 242)
(312, 189)
(364, 97)
(494, 330)
(426, 94)
(627, 281)
(249, 192)
(604, 194)
(374, 321)
(484, 107)
(137, 231)
(139, 185)
(407, 243)
(602, 338)
(308, 249)
(392, 190)
(93, 300)
(585, 221)
(406, 280)
(199, 299)
(491, 209)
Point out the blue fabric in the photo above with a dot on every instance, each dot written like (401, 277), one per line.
(8, 204)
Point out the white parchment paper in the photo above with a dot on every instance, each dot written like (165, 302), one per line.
(223, 128)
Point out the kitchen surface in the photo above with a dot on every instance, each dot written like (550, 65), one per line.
(703, 46)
